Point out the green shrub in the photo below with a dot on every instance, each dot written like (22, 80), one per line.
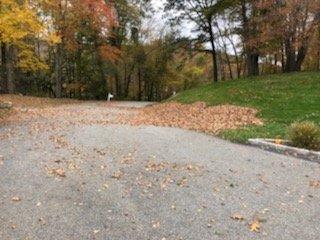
(305, 135)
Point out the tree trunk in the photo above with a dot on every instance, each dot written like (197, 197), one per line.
(140, 85)
(252, 63)
(101, 71)
(294, 60)
(302, 53)
(318, 60)
(252, 56)
(290, 65)
(10, 69)
(213, 52)
(58, 72)
(236, 56)
(3, 74)
(214, 56)
(222, 67)
(229, 65)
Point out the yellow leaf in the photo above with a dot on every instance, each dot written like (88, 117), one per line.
(255, 226)
(54, 39)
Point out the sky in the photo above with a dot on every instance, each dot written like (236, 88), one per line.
(158, 21)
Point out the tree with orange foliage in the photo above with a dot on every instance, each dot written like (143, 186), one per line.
(82, 27)
(288, 26)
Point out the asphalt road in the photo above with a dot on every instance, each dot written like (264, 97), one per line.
(103, 181)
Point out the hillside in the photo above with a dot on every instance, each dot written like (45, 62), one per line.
(280, 100)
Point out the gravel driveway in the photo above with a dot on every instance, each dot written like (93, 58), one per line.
(70, 178)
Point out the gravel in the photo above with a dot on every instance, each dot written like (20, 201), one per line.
(127, 182)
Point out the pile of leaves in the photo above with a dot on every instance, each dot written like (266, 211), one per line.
(197, 116)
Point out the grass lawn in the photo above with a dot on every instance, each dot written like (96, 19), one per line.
(281, 100)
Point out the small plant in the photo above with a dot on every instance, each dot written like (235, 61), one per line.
(305, 135)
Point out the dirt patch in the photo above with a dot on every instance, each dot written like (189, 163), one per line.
(197, 116)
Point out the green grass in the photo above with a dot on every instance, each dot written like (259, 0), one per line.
(280, 99)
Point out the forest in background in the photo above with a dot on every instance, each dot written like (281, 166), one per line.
(88, 48)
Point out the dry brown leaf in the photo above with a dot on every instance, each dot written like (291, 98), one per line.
(165, 182)
(117, 175)
(200, 117)
(255, 226)
(42, 221)
(315, 183)
(237, 217)
(16, 199)
(183, 182)
(278, 141)
(58, 172)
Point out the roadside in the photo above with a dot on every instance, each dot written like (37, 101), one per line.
(198, 117)
(69, 172)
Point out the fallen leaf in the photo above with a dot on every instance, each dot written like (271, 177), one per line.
(59, 172)
(156, 225)
(237, 217)
(117, 175)
(165, 182)
(182, 182)
(278, 141)
(42, 221)
(255, 226)
(16, 199)
(315, 183)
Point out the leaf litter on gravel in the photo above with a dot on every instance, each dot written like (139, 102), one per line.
(197, 116)
(59, 172)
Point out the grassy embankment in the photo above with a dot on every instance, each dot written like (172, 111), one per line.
(280, 99)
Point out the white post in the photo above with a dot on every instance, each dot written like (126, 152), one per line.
(110, 96)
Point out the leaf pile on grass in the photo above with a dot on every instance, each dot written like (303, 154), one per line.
(197, 116)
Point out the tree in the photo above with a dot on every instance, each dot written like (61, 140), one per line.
(125, 35)
(204, 14)
(19, 25)
(250, 37)
(83, 29)
(291, 26)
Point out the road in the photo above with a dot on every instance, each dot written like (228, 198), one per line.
(69, 173)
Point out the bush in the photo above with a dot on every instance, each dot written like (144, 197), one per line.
(305, 135)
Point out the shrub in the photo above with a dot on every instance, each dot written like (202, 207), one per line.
(305, 135)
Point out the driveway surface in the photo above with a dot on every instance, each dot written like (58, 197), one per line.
(66, 173)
